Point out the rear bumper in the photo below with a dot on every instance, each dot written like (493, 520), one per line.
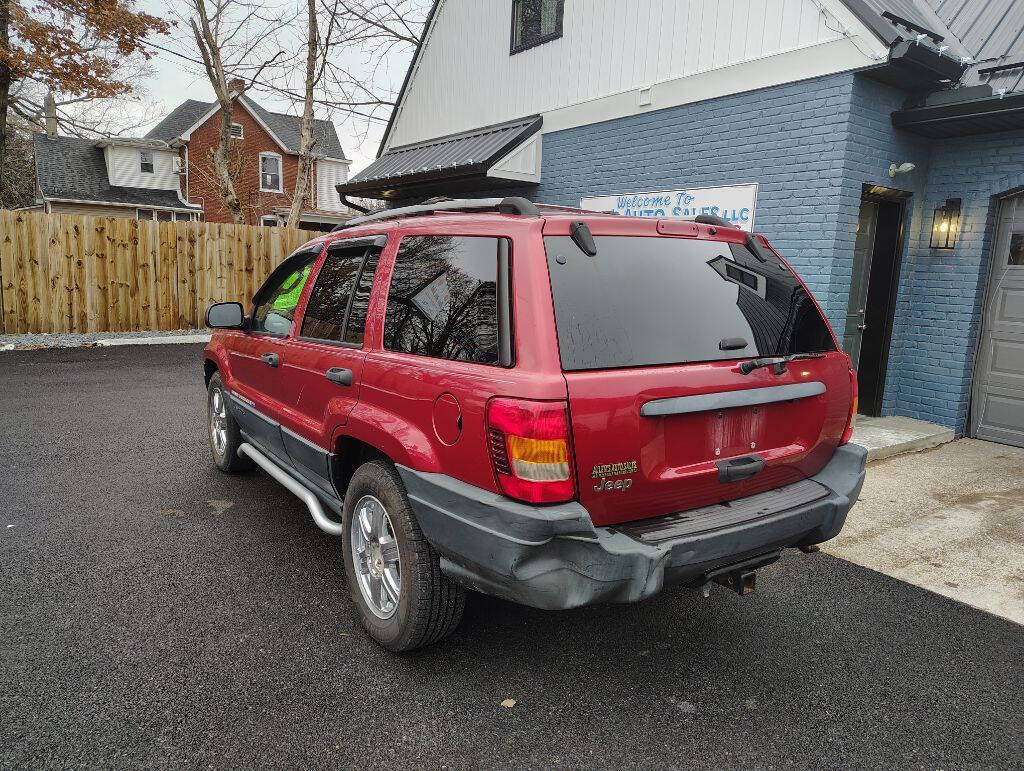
(553, 557)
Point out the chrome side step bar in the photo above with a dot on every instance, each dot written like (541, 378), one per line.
(295, 487)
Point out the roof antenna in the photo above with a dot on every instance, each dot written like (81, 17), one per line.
(583, 238)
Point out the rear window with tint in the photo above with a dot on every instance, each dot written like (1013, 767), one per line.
(649, 301)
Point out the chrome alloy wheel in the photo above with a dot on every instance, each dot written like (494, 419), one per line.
(375, 557)
(218, 422)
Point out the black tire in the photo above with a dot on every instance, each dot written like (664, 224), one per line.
(226, 459)
(430, 604)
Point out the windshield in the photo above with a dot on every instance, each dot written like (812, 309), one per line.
(649, 301)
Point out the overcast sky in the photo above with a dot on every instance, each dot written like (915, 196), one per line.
(176, 79)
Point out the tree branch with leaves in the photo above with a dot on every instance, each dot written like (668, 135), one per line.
(77, 49)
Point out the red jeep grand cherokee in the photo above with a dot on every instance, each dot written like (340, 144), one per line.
(552, 406)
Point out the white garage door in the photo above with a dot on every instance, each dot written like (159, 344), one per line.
(998, 402)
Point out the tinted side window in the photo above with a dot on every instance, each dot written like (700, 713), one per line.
(443, 299)
(356, 328)
(276, 301)
(325, 312)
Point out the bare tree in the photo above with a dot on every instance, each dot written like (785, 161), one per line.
(378, 33)
(236, 41)
(315, 63)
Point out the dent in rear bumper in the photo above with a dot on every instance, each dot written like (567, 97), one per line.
(553, 557)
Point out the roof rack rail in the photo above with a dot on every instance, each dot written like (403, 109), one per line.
(711, 219)
(510, 205)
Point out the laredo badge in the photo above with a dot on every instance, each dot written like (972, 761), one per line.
(601, 473)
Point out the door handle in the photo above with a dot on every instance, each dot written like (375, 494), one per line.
(339, 375)
(270, 359)
(862, 327)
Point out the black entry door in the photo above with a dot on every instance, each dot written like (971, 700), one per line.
(873, 295)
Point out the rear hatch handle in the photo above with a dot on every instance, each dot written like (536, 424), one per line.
(734, 469)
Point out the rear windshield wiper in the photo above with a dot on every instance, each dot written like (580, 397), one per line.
(778, 362)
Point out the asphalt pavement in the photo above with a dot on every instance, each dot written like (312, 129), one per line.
(155, 612)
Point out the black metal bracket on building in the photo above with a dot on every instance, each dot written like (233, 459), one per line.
(907, 24)
(1000, 68)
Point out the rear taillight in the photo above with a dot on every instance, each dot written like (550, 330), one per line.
(530, 449)
(853, 408)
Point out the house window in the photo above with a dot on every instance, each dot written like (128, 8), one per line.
(146, 161)
(237, 132)
(165, 216)
(144, 214)
(269, 220)
(535, 22)
(270, 172)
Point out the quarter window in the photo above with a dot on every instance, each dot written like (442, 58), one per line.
(535, 22)
(356, 328)
(443, 299)
(146, 161)
(333, 312)
(277, 300)
(270, 172)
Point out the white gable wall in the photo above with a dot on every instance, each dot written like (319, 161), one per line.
(609, 51)
(329, 174)
(124, 170)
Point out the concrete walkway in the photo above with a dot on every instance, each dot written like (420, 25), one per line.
(885, 437)
(950, 520)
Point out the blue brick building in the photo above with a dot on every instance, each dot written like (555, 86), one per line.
(885, 140)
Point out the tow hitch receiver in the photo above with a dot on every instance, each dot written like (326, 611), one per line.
(740, 577)
(740, 581)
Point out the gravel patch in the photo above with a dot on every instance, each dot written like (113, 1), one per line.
(36, 341)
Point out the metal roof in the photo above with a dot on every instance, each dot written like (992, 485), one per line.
(74, 169)
(917, 13)
(993, 32)
(457, 156)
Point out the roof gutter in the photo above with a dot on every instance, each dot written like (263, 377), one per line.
(913, 66)
(976, 116)
(52, 199)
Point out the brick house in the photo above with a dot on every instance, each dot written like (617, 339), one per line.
(879, 144)
(263, 160)
(167, 174)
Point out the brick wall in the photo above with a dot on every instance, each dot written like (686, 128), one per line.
(789, 139)
(245, 157)
(811, 146)
(942, 293)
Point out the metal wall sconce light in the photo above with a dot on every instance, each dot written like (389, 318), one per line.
(946, 225)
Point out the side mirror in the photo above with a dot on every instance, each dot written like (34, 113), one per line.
(225, 316)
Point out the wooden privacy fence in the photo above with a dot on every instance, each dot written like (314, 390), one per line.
(68, 273)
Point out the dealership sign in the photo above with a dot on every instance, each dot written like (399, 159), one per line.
(732, 202)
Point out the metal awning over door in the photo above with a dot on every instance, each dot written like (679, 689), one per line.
(997, 408)
(471, 160)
